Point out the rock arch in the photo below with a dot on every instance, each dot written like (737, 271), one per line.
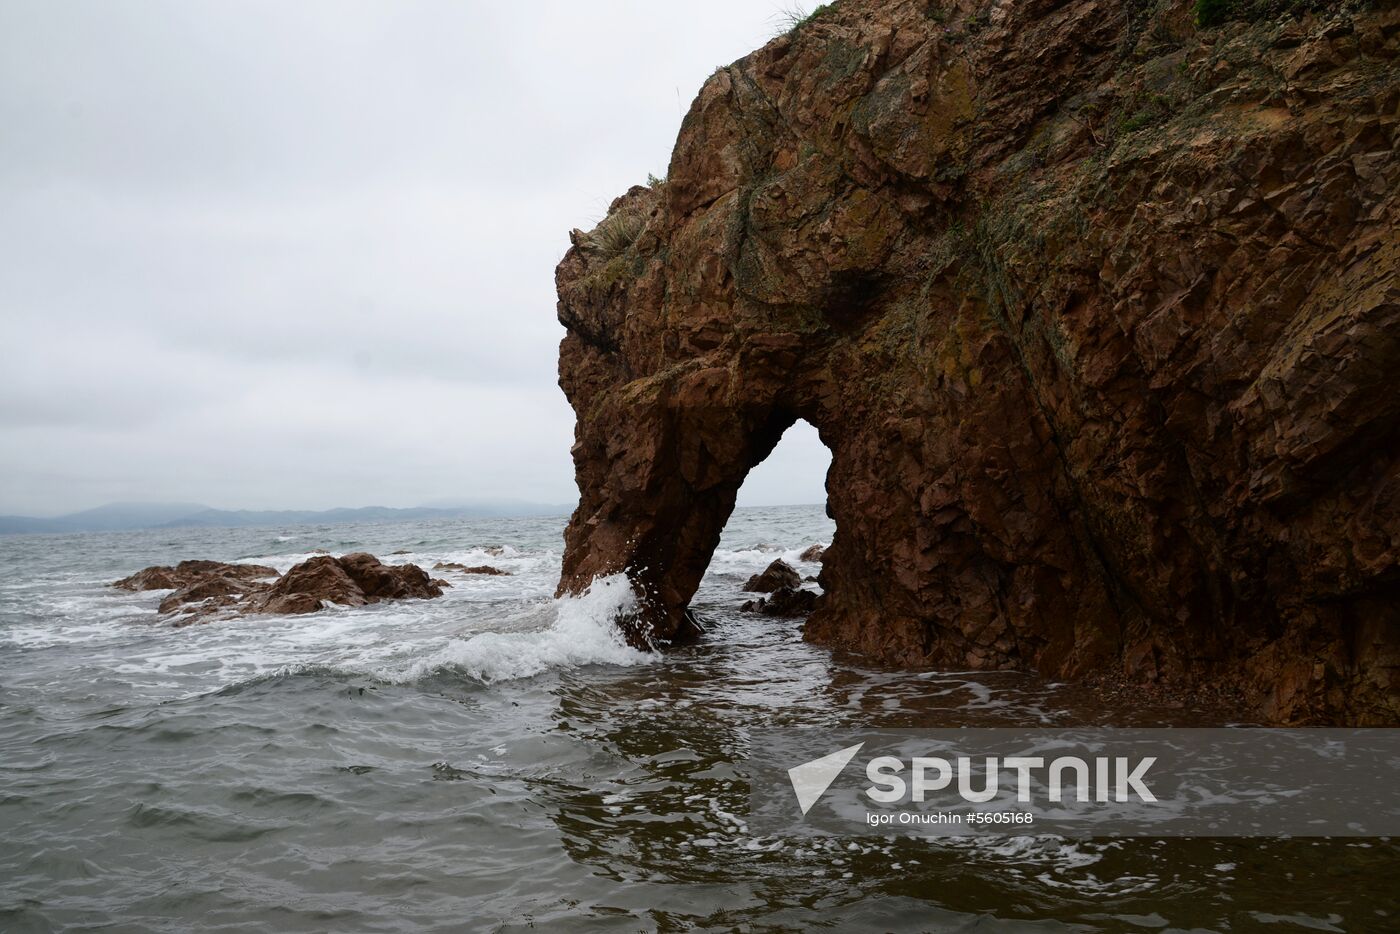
(1111, 397)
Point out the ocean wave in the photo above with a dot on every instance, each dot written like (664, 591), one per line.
(754, 558)
(563, 633)
(583, 632)
(316, 672)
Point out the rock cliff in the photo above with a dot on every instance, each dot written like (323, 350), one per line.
(1096, 308)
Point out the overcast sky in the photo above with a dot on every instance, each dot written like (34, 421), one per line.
(300, 255)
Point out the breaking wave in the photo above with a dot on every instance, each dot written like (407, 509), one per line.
(583, 631)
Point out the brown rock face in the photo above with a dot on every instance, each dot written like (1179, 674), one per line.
(352, 580)
(776, 576)
(1098, 313)
(473, 569)
(187, 573)
(210, 594)
(209, 589)
(378, 581)
(785, 601)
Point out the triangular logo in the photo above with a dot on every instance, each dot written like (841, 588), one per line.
(810, 780)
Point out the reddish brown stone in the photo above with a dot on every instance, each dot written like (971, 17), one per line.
(204, 589)
(186, 573)
(474, 569)
(785, 601)
(209, 589)
(352, 580)
(1098, 313)
(775, 577)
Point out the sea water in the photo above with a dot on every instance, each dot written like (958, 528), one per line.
(500, 760)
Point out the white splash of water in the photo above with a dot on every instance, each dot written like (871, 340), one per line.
(583, 632)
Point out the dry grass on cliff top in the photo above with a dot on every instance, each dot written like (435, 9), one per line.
(794, 17)
(618, 231)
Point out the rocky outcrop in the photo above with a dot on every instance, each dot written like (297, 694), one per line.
(189, 573)
(352, 580)
(211, 594)
(813, 553)
(210, 589)
(776, 576)
(473, 569)
(1097, 311)
(785, 601)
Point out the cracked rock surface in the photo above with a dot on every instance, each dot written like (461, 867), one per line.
(1096, 310)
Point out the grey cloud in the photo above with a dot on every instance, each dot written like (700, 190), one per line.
(301, 255)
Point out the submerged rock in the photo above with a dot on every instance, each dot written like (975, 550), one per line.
(209, 589)
(785, 601)
(777, 575)
(1099, 315)
(474, 569)
(211, 593)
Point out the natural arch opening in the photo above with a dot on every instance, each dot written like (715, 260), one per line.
(657, 495)
(793, 474)
(774, 538)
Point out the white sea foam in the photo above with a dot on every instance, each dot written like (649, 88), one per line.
(490, 628)
(741, 562)
(583, 632)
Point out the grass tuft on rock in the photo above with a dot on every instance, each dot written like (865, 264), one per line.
(796, 16)
(618, 231)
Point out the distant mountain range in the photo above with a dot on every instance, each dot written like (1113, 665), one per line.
(117, 517)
